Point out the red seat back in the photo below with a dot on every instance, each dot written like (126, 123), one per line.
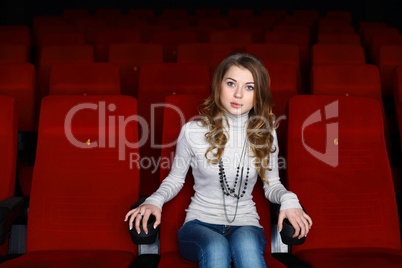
(170, 40)
(8, 144)
(52, 55)
(339, 38)
(338, 166)
(18, 80)
(85, 79)
(390, 56)
(83, 182)
(337, 53)
(107, 37)
(157, 81)
(130, 58)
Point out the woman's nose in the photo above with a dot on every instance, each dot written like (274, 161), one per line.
(238, 93)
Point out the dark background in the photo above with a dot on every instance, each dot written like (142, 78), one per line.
(22, 11)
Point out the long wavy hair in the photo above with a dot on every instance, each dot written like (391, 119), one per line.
(260, 120)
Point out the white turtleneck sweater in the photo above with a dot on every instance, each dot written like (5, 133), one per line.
(207, 204)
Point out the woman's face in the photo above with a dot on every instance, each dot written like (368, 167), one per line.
(237, 90)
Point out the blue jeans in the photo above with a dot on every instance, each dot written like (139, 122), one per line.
(217, 246)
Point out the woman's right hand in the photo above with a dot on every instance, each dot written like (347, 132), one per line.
(143, 212)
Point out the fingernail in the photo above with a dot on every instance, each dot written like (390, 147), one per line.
(138, 232)
(154, 226)
(130, 228)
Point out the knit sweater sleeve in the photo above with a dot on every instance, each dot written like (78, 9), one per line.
(274, 190)
(174, 182)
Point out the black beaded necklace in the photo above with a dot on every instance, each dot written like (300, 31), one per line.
(226, 190)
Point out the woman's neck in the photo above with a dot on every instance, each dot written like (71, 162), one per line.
(237, 121)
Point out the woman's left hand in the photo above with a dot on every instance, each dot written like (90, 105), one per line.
(299, 220)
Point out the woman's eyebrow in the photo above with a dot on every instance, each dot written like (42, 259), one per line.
(236, 80)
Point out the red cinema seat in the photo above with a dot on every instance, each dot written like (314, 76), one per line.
(278, 53)
(157, 81)
(338, 165)
(283, 88)
(174, 24)
(362, 25)
(174, 211)
(61, 39)
(99, 78)
(234, 14)
(43, 30)
(293, 38)
(369, 32)
(129, 58)
(170, 40)
(238, 40)
(13, 53)
(345, 14)
(8, 144)
(214, 23)
(90, 26)
(339, 38)
(378, 40)
(107, 37)
(195, 53)
(335, 29)
(147, 31)
(17, 37)
(258, 25)
(337, 54)
(8, 159)
(390, 56)
(83, 184)
(59, 54)
(398, 98)
(362, 80)
(18, 80)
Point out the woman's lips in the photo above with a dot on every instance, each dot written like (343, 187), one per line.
(236, 105)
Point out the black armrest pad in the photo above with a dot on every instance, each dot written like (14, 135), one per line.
(288, 231)
(10, 209)
(142, 237)
(12, 203)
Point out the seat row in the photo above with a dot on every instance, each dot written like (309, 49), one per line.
(87, 175)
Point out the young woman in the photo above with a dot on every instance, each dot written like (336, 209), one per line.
(233, 145)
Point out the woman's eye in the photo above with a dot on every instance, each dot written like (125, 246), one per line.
(231, 84)
(250, 88)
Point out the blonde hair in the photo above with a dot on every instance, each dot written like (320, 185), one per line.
(261, 119)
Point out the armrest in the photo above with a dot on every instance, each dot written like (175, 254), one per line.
(142, 237)
(288, 230)
(10, 209)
